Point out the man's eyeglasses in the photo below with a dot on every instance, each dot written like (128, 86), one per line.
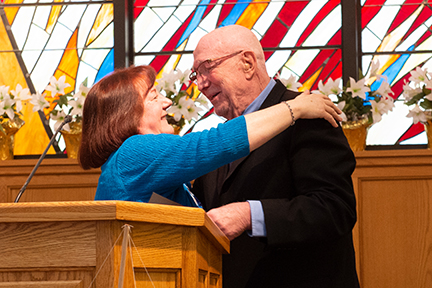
(205, 66)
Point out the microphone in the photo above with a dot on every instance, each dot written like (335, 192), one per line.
(67, 119)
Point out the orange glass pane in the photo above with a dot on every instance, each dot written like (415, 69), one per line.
(252, 13)
(11, 11)
(103, 19)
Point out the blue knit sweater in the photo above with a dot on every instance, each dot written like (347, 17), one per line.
(163, 163)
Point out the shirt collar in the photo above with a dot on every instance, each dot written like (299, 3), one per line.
(256, 104)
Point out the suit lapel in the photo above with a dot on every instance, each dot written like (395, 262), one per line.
(275, 96)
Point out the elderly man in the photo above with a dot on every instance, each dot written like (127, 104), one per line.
(289, 207)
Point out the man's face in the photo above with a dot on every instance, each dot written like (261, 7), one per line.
(221, 80)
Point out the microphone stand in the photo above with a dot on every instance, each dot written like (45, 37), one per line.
(67, 119)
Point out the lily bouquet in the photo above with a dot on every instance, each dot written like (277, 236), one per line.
(359, 101)
(57, 105)
(418, 92)
(176, 86)
(11, 104)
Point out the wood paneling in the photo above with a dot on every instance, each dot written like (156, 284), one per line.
(54, 180)
(393, 235)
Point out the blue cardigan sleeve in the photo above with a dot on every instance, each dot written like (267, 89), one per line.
(162, 162)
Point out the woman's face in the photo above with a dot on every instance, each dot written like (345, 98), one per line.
(154, 118)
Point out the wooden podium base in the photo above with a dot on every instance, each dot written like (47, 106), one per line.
(79, 244)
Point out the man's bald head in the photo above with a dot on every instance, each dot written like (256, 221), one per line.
(231, 69)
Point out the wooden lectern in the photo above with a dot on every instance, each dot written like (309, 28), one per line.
(79, 244)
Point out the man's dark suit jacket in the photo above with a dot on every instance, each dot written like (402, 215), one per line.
(303, 179)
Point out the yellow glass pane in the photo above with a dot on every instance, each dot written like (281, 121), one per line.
(103, 19)
(11, 11)
(32, 137)
(54, 15)
(252, 13)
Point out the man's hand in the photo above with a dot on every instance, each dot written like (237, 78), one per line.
(232, 219)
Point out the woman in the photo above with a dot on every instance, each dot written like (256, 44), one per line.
(125, 132)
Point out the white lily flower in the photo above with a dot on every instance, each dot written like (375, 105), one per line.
(358, 88)
(374, 71)
(77, 104)
(186, 108)
(59, 118)
(57, 86)
(4, 92)
(183, 77)
(377, 110)
(388, 103)
(83, 91)
(39, 102)
(192, 112)
(409, 92)
(202, 100)
(291, 83)
(417, 114)
(20, 94)
(167, 82)
(418, 75)
(6, 107)
(331, 87)
(341, 106)
(384, 89)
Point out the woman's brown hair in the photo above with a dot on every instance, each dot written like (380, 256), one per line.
(112, 112)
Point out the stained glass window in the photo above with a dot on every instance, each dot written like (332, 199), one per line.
(301, 38)
(398, 34)
(39, 39)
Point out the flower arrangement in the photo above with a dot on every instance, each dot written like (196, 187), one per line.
(420, 95)
(58, 101)
(175, 86)
(358, 101)
(11, 103)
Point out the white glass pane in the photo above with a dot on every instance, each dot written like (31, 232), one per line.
(45, 68)
(87, 71)
(164, 13)
(71, 16)
(21, 24)
(30, 58)
(186, 9)
(143, 60)
(301, 59)
(145, 26)
(326, 29)
(163, 35)
(276, 61)
(186, 62)
(41, 16)
(416, 140)
(37, 38)
(95, 57)
(86, 24)
(391, 126)
(59, 37)
(370, 42)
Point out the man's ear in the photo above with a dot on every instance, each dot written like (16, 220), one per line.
(249, 64)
